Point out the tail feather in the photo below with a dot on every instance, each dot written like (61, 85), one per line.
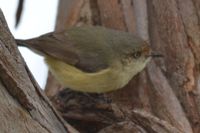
(30, 45)
(21, 43)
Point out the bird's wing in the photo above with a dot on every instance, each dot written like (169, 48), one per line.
(61, 47)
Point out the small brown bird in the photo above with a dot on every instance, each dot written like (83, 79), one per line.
(92, 59)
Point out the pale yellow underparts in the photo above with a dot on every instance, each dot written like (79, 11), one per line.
(115, 77)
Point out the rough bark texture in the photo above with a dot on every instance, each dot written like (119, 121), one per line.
(169, 88)
(24, 108)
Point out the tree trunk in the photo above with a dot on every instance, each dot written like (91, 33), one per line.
(24, 108)
(168, 89)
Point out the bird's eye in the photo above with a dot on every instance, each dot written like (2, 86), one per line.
(137, 54)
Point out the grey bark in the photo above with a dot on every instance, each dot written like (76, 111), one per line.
(23, 106)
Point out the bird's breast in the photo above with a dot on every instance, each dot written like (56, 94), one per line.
(114, 77)
(102, 81)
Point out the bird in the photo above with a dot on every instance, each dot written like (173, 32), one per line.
(92, 59)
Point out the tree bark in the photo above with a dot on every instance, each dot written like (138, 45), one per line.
(24, 108)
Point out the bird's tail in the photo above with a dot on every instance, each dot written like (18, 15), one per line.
(22, 43)
(30, 44)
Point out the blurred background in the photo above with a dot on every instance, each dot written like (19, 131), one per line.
(35, 20)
